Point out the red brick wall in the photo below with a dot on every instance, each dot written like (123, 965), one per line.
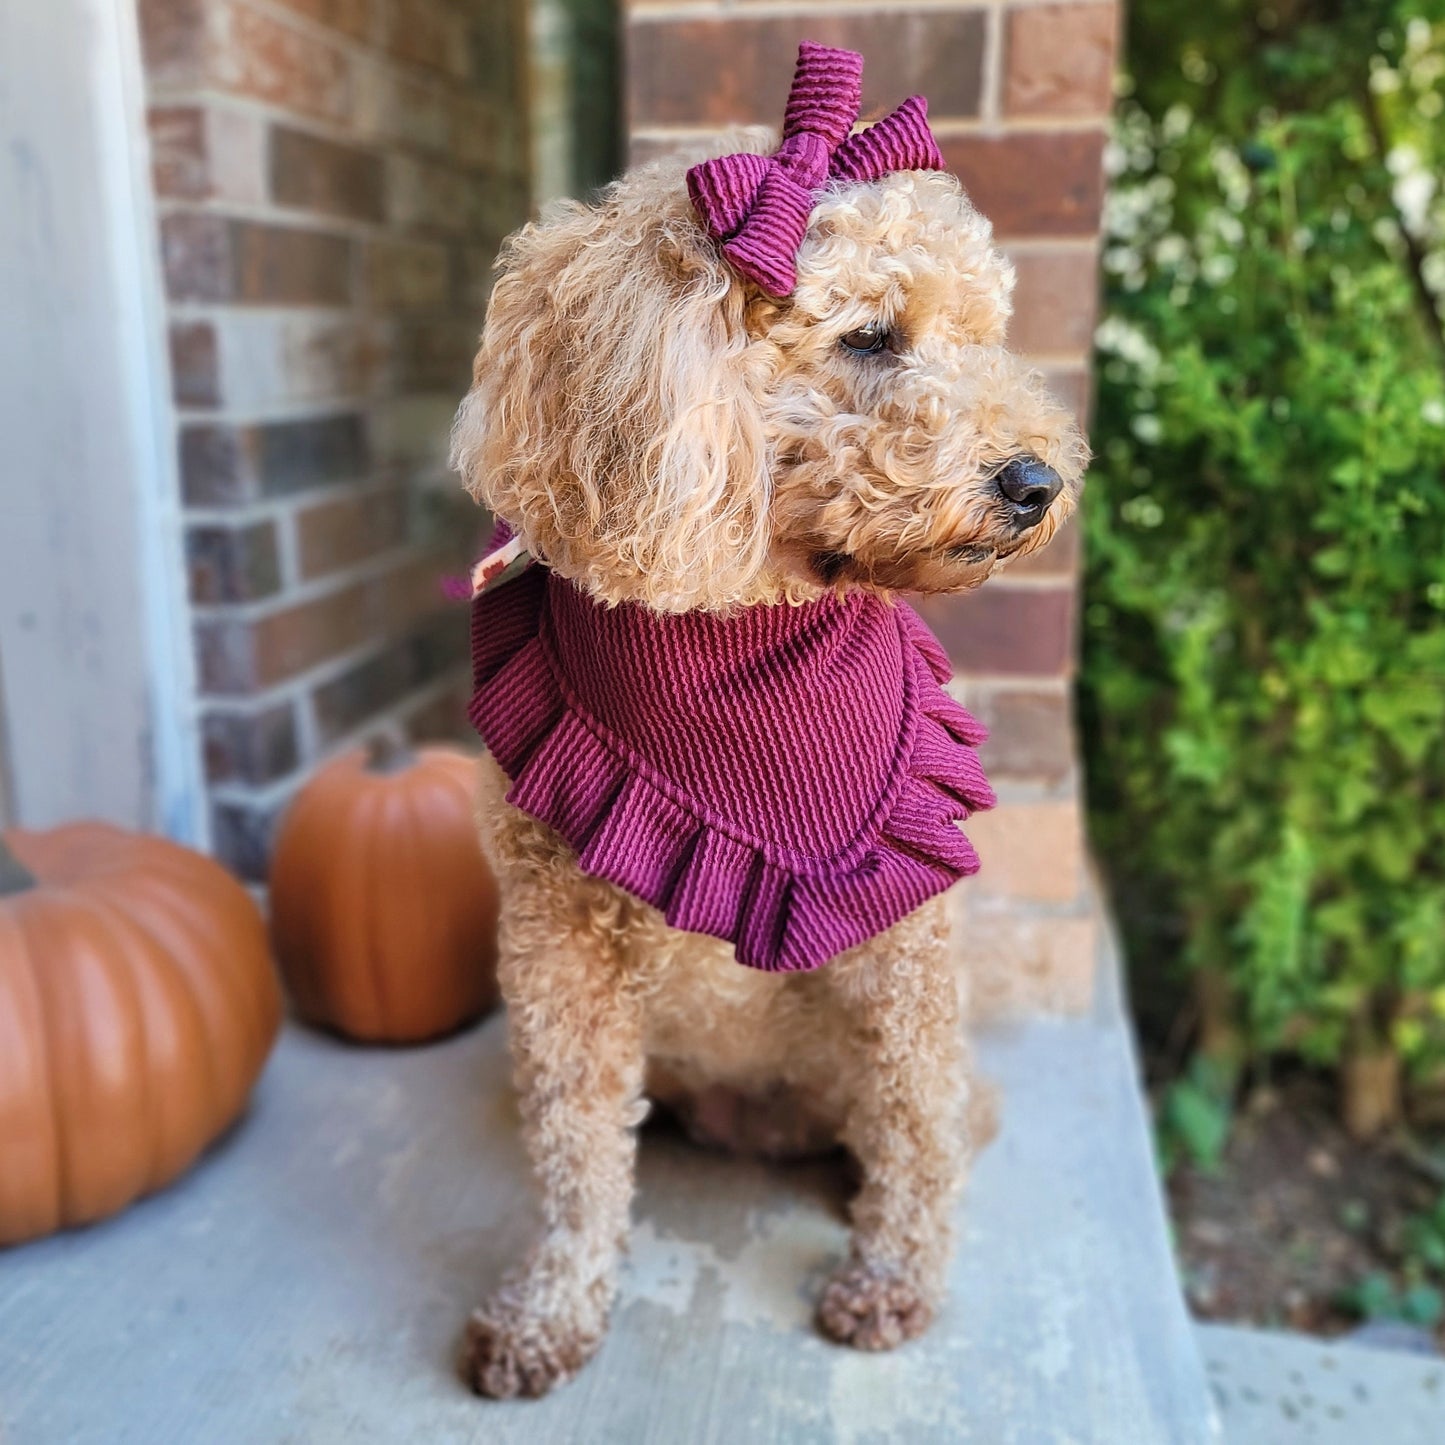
(1019, 93)
(332, 177)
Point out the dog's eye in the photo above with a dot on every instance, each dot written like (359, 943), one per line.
(867, 339)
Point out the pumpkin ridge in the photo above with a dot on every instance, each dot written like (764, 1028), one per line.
(137, 930)
(123, 1182)
(181, 916)
(350, 893)
(184, 915)
(386, 808)
(123, 936)
(52, 1078)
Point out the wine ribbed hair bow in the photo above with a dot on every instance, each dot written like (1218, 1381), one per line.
(757, 207)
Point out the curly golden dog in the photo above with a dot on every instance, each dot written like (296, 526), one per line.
(661, 431)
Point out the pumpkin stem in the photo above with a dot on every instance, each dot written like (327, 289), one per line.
(15, 877)
(389, 751)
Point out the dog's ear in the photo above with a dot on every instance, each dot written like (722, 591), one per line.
(614, 417)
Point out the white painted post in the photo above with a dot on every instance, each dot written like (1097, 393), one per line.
(96, 669)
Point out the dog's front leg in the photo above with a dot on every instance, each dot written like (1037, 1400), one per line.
(906, 1127)
(576, 1039)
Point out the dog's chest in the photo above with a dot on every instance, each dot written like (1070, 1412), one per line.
(730, 1024)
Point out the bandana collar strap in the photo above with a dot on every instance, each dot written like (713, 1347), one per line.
(757, 207)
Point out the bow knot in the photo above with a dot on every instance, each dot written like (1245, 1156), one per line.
(757, 207)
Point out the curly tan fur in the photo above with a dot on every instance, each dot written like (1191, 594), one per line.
(663, 433)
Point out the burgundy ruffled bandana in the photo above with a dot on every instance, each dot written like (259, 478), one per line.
(757, 207)
(789, 779)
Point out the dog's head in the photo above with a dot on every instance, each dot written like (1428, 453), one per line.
(663, 431)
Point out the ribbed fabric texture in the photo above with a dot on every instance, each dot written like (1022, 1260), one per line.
(900, 142)
(788, 778)
(826, 93)
(757, 207)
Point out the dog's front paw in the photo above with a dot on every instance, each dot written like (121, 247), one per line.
(872, 1307)
(510, 1351)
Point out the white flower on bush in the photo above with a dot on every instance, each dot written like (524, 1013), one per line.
(1383, 80)
(1414, 188)
(1226, 225)
(1232, 175)
(1433, 411)
(1117, 337)
(1148, 428)
(1130, 211)
(1170, 250)
(1177, 120)
(1142, 511)
(1218, 268)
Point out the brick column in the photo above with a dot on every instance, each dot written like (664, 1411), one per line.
(333, 177)
(1019, 94)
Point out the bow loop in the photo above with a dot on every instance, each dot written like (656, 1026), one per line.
(899, 142)
(757, 207)
(826, 94)
(723, 191)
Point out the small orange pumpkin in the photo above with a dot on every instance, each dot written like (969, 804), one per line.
(137, 1006)
(383, 909)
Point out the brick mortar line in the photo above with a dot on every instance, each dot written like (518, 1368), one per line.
(994, 62)
(345, 227)
(195, 309)
(646, 10)
(1059, 360)
(267, 795)
(1052, 245)
(962, 127)
(355, 134)
(191, 91)
(284, 410)
(319, 589)
(1045, 685)
(386, 475)
(944, 127)
(282, 509)
(984, 908)
(190, 311)
(1023, 790)
(1005, 581)
(308, 408)
(652, 11)
(288, 556)
(296, 689)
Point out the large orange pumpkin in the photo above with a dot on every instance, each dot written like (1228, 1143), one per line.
(383, 910)
(137, 1006)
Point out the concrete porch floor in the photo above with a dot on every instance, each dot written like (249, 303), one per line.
(307, 1282)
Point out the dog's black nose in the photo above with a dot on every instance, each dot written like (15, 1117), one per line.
(1028, 486)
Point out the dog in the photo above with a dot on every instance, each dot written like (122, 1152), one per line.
(694, 417)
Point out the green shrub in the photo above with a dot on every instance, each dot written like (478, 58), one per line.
(1263, 681)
